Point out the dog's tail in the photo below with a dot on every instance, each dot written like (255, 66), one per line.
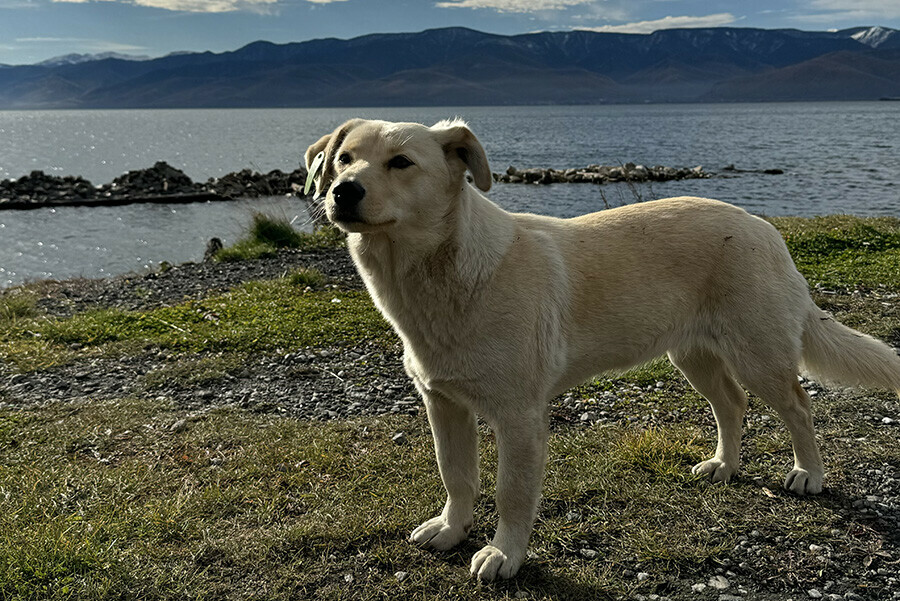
(834, 353)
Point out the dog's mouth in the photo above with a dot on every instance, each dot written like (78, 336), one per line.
(354, 224)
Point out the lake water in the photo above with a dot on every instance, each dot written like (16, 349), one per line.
(837, 158)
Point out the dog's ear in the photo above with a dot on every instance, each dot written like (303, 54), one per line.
(328, 145)
(462, 148)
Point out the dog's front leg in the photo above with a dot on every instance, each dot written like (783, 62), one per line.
(455, 434)
(522, 452)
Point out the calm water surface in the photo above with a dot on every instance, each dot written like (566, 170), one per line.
(838, 158)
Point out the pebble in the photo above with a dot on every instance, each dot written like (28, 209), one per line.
(589, 553)
(814, 593)
(719, 582)
(641, 576)
(698, 588)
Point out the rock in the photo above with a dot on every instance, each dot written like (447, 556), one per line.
(212, 247)
(814, 593)
(598, 174)
(719, 582)
(642, 576)
(698, 588)
(39, 189)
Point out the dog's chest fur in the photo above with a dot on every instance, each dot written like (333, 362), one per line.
(434, 300)
(425, 299)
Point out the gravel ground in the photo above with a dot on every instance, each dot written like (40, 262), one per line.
(365, 380)
(186, 281)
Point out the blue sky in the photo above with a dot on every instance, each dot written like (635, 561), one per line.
(34, 30)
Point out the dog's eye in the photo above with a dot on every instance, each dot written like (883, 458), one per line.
(400, 162)
(345, 158)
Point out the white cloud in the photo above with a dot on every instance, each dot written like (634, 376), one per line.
(84, 44)
(18, 4)
(714, 20)
(864, 12)
(514, 6)
(208, 6)
(195, 6)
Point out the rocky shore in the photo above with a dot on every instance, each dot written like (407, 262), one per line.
(600, 174)
(164, 183)
(160, 183)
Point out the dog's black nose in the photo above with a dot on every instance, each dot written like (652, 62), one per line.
(348, 194)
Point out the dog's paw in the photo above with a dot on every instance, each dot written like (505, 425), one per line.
(491, 564)
(716, 469)
(439, 534)
(803, 482)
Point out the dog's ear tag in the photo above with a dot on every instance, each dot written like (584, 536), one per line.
(314, 168)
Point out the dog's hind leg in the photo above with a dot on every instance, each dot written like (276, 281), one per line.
(521, 453)
(455, 434)
(783, 393)
(710, 376)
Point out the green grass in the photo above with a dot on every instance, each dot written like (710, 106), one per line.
(841, 251)
(307, 277)
(189, 371)
(16, 305)
(258, 316)
(110, 502)
(267, 235)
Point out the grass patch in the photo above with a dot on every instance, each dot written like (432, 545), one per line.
(257, 316)
(192, 372)
(17, 304)
(268, 234)
(303, 278)
(841, 251)
(110, 502)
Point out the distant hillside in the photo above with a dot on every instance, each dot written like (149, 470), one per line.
(457, 66)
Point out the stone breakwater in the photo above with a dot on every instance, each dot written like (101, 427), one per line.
(160, 183)
(600, 174)
(166, 184)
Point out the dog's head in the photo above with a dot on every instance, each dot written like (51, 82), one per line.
(380, 176)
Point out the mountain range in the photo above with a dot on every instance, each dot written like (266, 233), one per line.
(457, 66)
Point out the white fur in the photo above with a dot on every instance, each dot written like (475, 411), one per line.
(500, 312)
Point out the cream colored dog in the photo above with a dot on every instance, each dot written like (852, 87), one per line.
(500, 312)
